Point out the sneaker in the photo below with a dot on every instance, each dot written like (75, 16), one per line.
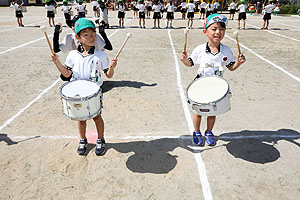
(82, 146)
(144, 26)
(197, 139)
(209, 138)
(100, 147)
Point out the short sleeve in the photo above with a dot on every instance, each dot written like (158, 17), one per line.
(195, 56)
(230, 59)
(105, 62)
(69, 62)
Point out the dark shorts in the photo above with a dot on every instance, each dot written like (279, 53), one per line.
(121, 14)
(183, 10)
(19, 14)
(170, 15)
(208, 13)
(135, 9)
(50, 14)
(142, 15)
(95, 8)
(81, 14)
(190, 15)
(156, 15)
(67, 16)
(267, 16)
(215, 11)
(242, 16)
(149, 8)
(202, 10)
(232, 11)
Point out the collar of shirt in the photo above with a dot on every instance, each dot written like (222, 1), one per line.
(81, 49)
(207, 50)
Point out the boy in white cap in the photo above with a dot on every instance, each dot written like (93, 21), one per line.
(81, 64)
(211, 57)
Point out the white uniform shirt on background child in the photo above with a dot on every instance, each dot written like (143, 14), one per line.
(121, 8)
(149, 3)
(210, 64)
(80, 8)
(65, 9)
(95, 3)
(15, 6)
(87, 67)
(141, 7)
(242, 8)
(190, 7)
(50, 8)
(156, 8)
(232, 6)
(210, 7)
(170, 8)
(216, 5)
(103, 15)
(71, 43)
(183, 5)
(269, 8)
(203, 5)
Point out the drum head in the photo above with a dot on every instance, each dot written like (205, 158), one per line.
(207, 89)
(79, 88)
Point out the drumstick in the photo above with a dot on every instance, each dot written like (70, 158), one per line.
(127, 37)
(43, 28)
(237, 40)
(185, 38)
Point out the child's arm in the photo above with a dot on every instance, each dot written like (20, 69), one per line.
(184, 59)
(64, 71)
(111, 69)
(240, 60)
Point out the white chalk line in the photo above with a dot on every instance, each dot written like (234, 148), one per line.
(266, 60)
(151, 137)
(201, 166)
(40, 95)
(280, 35)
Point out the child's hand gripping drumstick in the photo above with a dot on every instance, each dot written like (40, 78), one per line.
(43, 28)
(127, 37)
(185, 39)
(237, 41)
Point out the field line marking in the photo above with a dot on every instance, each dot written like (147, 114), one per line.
(201, 166)
(266, 60)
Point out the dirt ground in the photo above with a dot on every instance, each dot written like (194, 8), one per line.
(150, 154)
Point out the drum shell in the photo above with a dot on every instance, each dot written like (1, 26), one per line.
(84, 108)
(220, 106)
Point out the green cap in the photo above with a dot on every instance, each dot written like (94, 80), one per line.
(65, 1)
(80, 0)
(47, 1)
(243, 1)
(83, 23)
(215, 18)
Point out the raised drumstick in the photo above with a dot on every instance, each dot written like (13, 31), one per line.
(43, 28)
(127, 37)
(185, 38)
(237, 40)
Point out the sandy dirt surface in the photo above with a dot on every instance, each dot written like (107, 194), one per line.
(150, 154)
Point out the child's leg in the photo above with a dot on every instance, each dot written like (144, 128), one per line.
(239, 22)
(267, 23)
(140, 22)
(144, 22)
(157, 22)
(210, 122)
(188, 22)
(100, 126)
(49, 21)
(191, 22)
(197, 122)
(264, 24)
(244, 23)
(81, 129)
(154, 24)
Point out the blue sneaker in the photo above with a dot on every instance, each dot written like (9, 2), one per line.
(209, 138)
(197, 139)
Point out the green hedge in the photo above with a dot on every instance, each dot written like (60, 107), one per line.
(286, 9)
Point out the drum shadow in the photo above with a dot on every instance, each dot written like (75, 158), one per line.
(5, 138)
(108, 85)
(258, 146)
(151, 156)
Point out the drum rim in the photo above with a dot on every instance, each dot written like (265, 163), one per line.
(81, 98)
(213, 102)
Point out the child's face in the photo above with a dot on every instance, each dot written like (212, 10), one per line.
(215, 32)
(88, 37)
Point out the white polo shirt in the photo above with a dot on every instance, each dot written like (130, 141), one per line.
(190, 7)
(50, 8)
(65, 9)
(71, 43)
(156, 8)
(121, 8)
(210, 63)
(210, 7)
(87, 67)
(141, 7)
(242, 8)
(170, 8)
(203, 5)
(80, 8)
(269, 8)
(15, 6)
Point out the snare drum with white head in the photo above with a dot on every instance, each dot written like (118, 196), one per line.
(209, 95)
(81, 99)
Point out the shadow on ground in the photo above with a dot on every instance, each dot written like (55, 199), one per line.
(108, 85)
(9, 141)
(258, 146)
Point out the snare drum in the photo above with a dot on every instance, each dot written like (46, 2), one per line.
(81, 99)
(209, 95)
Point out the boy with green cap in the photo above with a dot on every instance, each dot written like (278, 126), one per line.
(87, 63)
(212, 57)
